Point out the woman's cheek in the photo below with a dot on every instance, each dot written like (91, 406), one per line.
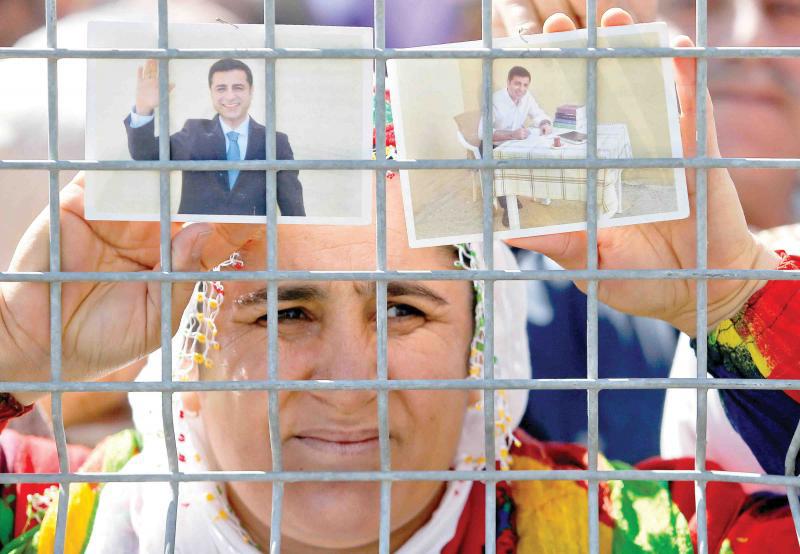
(409, 363)
(241, 356)
(429, 354)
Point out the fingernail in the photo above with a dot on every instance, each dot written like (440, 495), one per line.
(199, 243)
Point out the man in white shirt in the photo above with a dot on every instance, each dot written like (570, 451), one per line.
(513, 106)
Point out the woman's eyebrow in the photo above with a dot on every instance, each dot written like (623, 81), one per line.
(408, 288)
(285, 293)
(288, 293)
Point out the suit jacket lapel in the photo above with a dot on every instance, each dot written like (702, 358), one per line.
(256, 143)
(217, 139)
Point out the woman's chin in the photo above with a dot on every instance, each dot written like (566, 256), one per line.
(330, 514)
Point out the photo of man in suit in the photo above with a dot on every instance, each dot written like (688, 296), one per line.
(232, 134)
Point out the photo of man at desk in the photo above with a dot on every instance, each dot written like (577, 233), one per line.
(540, 180)
(522, 129)
(232, 134)
(512, 107)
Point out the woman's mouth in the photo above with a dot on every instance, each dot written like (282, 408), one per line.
(342, 443)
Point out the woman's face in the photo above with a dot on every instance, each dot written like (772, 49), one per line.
(327, 331)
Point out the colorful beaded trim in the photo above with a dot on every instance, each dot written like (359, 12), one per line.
(200, 331)
(503, 428)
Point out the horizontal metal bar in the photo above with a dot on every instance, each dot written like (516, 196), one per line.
(449, 475)
(439, 275)
(372, 165)
(408, 384)
(392, 53)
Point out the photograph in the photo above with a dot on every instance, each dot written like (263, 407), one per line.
(217, 111)
(539, 112)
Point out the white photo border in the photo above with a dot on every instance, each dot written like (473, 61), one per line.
(550, 40)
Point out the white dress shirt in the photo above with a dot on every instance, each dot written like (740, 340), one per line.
(510, 116)
(138, 120)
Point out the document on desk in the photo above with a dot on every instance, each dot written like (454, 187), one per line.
(541, 134)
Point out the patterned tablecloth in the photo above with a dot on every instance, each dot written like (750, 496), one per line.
(613, 142)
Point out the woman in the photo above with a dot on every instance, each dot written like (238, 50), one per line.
(327, 332)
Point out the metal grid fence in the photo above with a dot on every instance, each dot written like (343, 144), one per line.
(381, 275)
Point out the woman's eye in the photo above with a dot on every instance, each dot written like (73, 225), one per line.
(403, 310)
(287, 314)
(291, 314)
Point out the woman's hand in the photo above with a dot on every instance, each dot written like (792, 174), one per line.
(104, 324)
(512, 17)
(670, 244)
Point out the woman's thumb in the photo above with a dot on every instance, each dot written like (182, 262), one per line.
(187, 255)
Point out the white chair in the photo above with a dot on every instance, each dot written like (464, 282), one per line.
(474, 153)
(467, 135)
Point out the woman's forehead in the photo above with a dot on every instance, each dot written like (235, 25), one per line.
(343, 248)
(349, 248)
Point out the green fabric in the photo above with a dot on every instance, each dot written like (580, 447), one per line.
(24, 544)
(6, 518)
(119, 448)
(90, 524)
(646, 518)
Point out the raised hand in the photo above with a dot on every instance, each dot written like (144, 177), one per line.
(669, 244)
(147, 87)
(510, 17)
(105, 325)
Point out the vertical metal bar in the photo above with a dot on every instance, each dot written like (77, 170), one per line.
(272, 286)
(591, 264)
(384, 541)
(791, 470)
(790, 463)
(702, 263)
(55, 265)
(487, 185)
(165, 242)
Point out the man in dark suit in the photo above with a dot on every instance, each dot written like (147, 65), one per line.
(231, 135)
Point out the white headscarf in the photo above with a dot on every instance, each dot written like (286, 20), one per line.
(131, 517)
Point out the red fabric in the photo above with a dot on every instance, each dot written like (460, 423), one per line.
(27, 454)
(752, 526)
(471, 529)
(762, 524)
(11, 408)
(772, 318)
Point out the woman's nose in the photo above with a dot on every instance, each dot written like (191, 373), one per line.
(348, 354)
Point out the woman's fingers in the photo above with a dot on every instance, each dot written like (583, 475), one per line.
(567, 249)
(548, 8)
(558, 23)
(509, 17)
(187, 255)
(201, 247)
(686, 86)
(228, 238)
(512, 17)
(616, 17)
